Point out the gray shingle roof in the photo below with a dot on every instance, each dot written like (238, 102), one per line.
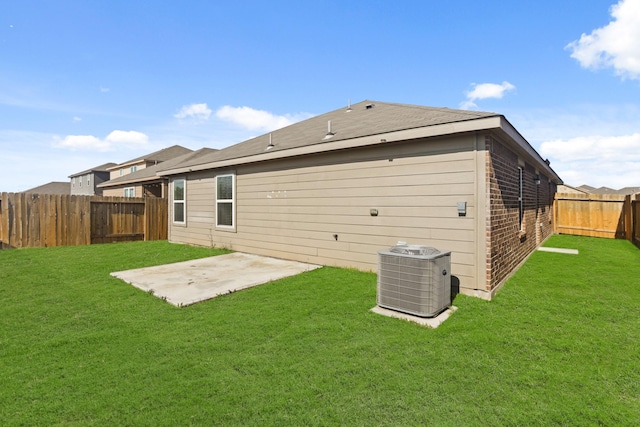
(54, 187)
(101, 168)
(158, 156)
(364, 118)
(150, 173)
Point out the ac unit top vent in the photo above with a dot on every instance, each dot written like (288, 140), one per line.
(415, 251)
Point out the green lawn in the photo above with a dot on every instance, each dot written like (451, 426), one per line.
(559, 345)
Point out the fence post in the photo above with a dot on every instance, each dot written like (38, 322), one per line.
(628, 221)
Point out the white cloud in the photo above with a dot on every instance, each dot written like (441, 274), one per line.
(615, 45)
(253, 119)
(484, 91)
(77, 119)
(93, 143)
(194, 111)
(612, 161)
(104, 89)
(130, 137)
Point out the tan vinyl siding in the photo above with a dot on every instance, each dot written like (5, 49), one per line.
(293, 208)
(119, 191)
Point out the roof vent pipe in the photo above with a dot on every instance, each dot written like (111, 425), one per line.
(330, 133)
(270, 146)
(349, 107)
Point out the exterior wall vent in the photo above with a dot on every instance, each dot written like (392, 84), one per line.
(414, 279)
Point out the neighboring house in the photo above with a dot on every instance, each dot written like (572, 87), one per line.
(145, 182)
(338, 187)
(135, 188)
(54, 187)
(86, 182)
(587, 189)
(623, 191)
(567, 189)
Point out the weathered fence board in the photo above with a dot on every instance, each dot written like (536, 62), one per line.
(43, 220)
(595, 215)
(635, 220)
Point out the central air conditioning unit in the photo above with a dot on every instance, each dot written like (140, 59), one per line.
(414, 279)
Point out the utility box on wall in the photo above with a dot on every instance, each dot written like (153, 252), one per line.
(414, 279)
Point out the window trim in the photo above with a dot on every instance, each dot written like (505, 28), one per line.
(521, 197)
(183, 201)
(131, 191)
(231, 201)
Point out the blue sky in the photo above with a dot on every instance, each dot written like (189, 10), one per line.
(88, 82)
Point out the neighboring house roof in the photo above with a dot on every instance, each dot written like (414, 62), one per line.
(606, 190)
(365, 123)
(629, 190)
(564, 188)
(586, 188)
(157, 156)
(102, 168)
(54, 187)
(622, 191)
(151, 173)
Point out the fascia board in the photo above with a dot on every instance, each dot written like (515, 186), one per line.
(131, 181)
(526, 148)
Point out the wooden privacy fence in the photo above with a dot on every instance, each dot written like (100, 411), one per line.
(598, 215)
(43, 220)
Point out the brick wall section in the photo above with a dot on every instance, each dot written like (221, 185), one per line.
(507, 244)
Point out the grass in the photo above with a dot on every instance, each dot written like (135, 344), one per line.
(557, 346)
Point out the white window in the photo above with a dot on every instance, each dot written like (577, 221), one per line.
(129, 192)
(80, 180)
(225, 201)
(121, 172)
(73, 181)
(179, 201)
(88, 180)
(133, 169)
(521, 197)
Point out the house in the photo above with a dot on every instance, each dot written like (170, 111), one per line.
(53, 187)
(139, 188)
(568, 189)
(587, 189)
(623, 191)
(86, 182)
(336, 188)
(146, 182)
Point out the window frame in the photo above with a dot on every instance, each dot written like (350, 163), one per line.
(183, 202)
(131, 191)
(231, 201)
(521, 197)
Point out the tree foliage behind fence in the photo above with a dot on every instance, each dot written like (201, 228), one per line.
(43, 220)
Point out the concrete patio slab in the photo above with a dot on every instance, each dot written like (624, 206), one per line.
(189, 282)
(559, 250)
(431, 322)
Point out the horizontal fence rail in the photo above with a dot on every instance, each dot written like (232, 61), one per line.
(44, 220)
